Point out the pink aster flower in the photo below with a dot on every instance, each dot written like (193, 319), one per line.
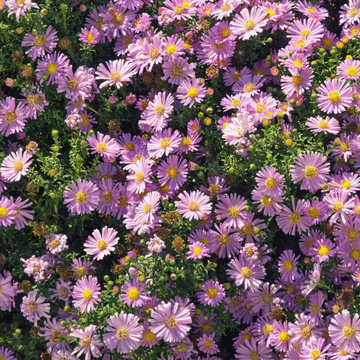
(103, 145)
(335, 96)
(12, 117)
(193, 205)
(170, 321)
(197, 251)
(248, 24)
(34, 309)
(212, 293)
(89, 343)
(307, 29)
(269, 181)
(62, 291)
(178, 70)
(56, 243)
(281, 336)
(338, 204)
(124, 333)
(8, 291)
(145, 211)
(140, 176)
(225, 242)
(101, 244)
(249, 85)
(149, 339)
(6, 354)
(116, 73)
(271, 205)
(173, 172)
(19, 8)
(319, 124)
(345, 332)
(247, 272)
(190, 91)
(81, 268)
(287, 265)
(252, 350)
(7, 211)
(163, 143)
(207, 344)
(290, 220)
(298, 82)
(349, 69)
(311, 167)
(40, 43)
(350, 13)
(231, 209)
(16, 165)
(81, 198)
(86, 294)
(134, 296)
(155, 244)
(322, 250)
(89, 37)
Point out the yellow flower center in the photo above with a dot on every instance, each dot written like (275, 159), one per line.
(267, 329)
(297, 80)
(270, 183)
(87, 295)
(306, 332)
(305, 33)
(171, 49)
(173, 172)
(346, 184)
(355, 254)
(338, 206)
(177, 71)
(284, 336)
(315, 308)
(101, 146)
(225, 33)
(10, 117)
(233, 212)
(323, 124)
(323, 250)
(352, 234)
(3, 212)
(266, 200)
(327, 42)
(164, 143)
(300, 43)
(310, 172)
(32, 306)
(171, 322)
(353, 12)
(197, 251)
(178, 10)
(115, 76)
(353, 31)
(246, 272)
(18, 166)
(249, 87)
(139, 177)
(80, 272)
(101, 244)
(224, 240)
(236, 76)
(159, 109)
(208, 344)
(186, 141)
(106, 196)
(117, 19)
(122, 201)
(352, 71)
(122, 333)
(357, 210)
(211, 293)
(193, 206)
(294, 218)
(133, 293)
(81, 197)
(39, 40)
(130, 146)
(149, 336)
(204, 241)
(313, 212)
(271, 12)
(192, 93)
(260, 108)
(315, 354)
(249, 24)
(225, 7)
(72, 84)
(207, 327)
(334, 97)
(85, 120)
(236, 102)
(348, 332)
(267, 298)
(288, 265)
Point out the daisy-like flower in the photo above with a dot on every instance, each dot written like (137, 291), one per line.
(190, 91)
(319, 124)
(155, 244)
(149, 339)
(335, 96)
(103, 145)
(338, 204)
(311, 282)
(89, 343)
(225, 242)
(322, 250)
(34, 309)
(19, 8)
(269, 204)
(63, 291)
(288, 220)
(134, 296)
(298, 82)
(269, 181)
(348, 181)
(249, 85)
(350, 13)
(345, 332)
(311, 167)
(197, 251)
(141, 175)
(173, 172)
(308, 29)
(124, 333)
(193, 205)
(207, 344)
(16, 165)
(178, 70)
(56, 243)
(145, 212)
(247, 272)
(212, 293)
(170, 321)
(163, 143)
(89, 37)
(86, 294)
(101, 244)
(281, 336)
(349, 69)
(287, 265)
(12, 117)
(315, 211)
(53, 65)
(231, 208)
(40, 43)
(6, 354)
(248, 24)
(253, 350)
(109, 197)
(264, 298)
(81, 198)
(116, 73)
(8, 291)
(81, 268)
(7, 211)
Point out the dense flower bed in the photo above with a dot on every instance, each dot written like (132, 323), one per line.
(179, 180)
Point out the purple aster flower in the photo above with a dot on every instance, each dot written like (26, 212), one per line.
(190, 91)
(264, 298)
(15, 165)
(197, 251)
(19, 8)
(101, 244)
(140, 176)
(148, 207)
(311, 167)
(81, 268)
(34, 309)
(6, 354)
(89, 343)
(319, 124)
(75, 85)
(116, 73)
(193, 205)
(63, 291)
(40, 43)
(287, 265)
(349, 69)
(173, 172)
(89, 37)
(335, 96)
(155, 244)
(56, 243)
(134, 296)
(149, 339)
(82, 198)
(247, 272)
(298, 82)
(53, 65)
(170, 321)
(253, 350)
(231, 208)
(7, 211)
(271, 205)
(12, 117)
(124, 333)
(103, 145)
(281, 336)
(322, 250)
(163, 143)
(52, 330)
(338, 204)
(207, 344)
(269, 181)
(109, 197)
(86, 294)
(178, 70)
(8, 290)
(212, 293)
